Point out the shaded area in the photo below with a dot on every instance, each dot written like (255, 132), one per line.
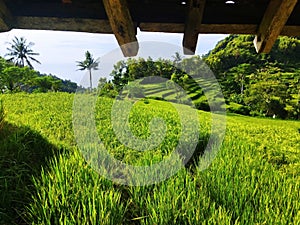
(192, 163)
(22, 154)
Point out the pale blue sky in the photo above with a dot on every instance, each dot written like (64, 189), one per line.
(59, 50)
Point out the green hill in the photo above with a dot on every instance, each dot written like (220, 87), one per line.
(258, 84)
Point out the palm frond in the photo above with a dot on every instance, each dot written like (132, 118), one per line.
(21, 52)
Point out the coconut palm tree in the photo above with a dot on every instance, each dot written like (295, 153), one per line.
(88, 64)
(21, 53)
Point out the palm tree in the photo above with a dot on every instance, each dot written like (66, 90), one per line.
(177, 58)
(20, 52)
(88, 64)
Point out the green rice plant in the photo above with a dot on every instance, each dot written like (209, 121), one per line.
(72, 193)
(254, 178)
(180, 200)
(243, 180)
(23, 153)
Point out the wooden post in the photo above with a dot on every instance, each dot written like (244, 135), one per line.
(122, 26)
(273, 22)
(192, 24)
(6, 19)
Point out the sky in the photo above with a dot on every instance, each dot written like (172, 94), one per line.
(59, 50)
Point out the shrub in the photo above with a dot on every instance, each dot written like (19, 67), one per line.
(156, 98)
(146, 101)
(238, 108)
(202, 104)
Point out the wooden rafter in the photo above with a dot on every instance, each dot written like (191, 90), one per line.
(67, 24)
(6, 18)
(192, 24)
(274, 20)
(122, 26)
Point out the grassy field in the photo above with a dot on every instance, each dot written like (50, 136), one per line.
(255, 178)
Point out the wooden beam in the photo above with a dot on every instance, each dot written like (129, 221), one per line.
(162, 27)
(122, 26)
(64, 24)
(215, 28)
(274, 20)
(192, 24)
(204, 28)
(292, 31)
(6, 19)
(103, 26)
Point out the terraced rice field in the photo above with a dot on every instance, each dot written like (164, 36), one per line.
(44, 179)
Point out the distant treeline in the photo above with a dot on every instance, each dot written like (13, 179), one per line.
(15, 79)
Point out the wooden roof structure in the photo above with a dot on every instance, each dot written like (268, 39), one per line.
(267, 19)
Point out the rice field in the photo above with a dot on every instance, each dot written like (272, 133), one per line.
(161, 91)
(44, 178)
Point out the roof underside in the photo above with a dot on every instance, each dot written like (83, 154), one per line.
(265, 18)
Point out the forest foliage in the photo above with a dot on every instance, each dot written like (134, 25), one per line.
(15, 79)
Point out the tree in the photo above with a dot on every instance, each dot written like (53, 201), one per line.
(46, 83)
(88, 64)
(120, 74)
(21, 53)
(268, 95)
(16, 79)
(106, 88)
(177, 58)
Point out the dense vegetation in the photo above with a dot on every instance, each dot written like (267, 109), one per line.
(252, 84)
(44, 179)
(258, 84)
(178, 80)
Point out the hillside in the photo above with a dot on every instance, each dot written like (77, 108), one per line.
(258, 84)
(265, 85)
(44, 179)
